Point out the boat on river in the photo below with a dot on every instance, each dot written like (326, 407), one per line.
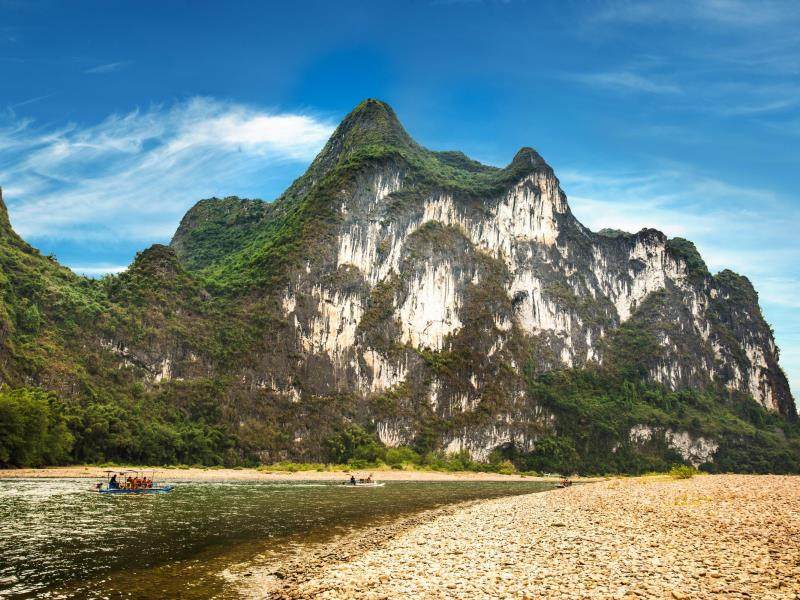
(136, 483)
(357, 484)
(363, 482)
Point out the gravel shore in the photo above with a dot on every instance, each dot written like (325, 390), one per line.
(724, 536)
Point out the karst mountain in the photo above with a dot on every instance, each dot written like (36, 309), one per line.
(395, 296)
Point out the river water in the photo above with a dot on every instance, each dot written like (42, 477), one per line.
(58, 539)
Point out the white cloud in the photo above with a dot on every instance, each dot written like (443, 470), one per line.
(31, 100)
(755, 109)
(133, 176)
(728, 58)
(781, 290)
(627, 81)
(108, 67)
(728, 14)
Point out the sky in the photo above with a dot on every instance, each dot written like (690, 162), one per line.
(116, 117)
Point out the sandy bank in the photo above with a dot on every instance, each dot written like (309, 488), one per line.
(726, 536)
(200, 474)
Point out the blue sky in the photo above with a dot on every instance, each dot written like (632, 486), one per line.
(116, 117)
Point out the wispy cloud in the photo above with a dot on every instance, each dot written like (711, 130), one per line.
(787, 127)
(742, 14)
(727, 58)
(627, 81)
(108, 67)
(708, 211)
(769, 106)
(132, 176)
(31, 100)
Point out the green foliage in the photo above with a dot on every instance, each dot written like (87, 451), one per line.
(443, 362)
(402, 455)
(378, 325)
(552, 454)
(738, 287)
(33, 430)
(164, 428)
(589, 309)
(614, 233)
(461, 461)
(215, 228)
(687, 251)
(682, 472)
(30, 319)
(595, 409)
(354, 445)
(294, 467)
(757, 452)
(631, 348)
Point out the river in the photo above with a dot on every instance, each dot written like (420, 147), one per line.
(59, 539)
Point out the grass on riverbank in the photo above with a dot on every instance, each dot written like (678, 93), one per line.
(450, 465)
(403, 459)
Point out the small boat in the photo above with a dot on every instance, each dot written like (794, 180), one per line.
(358, 484)
(130, 484)
(362, 482)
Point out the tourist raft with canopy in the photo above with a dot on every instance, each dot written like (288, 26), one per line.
(131, 482)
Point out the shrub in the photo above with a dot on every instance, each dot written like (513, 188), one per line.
(396, 457)
(682, 472)
(353, 444)
(292, 467)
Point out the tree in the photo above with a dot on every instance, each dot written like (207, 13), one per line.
(33, 430)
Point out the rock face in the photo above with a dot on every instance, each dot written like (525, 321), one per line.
(438, 275)
(417, 292)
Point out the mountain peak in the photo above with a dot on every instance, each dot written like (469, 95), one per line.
(372, 122)
(371, 109)
(527, 156)
(370, 129)
(157, 260)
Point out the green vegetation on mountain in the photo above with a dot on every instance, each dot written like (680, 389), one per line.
(687, 251)
(215, 228)
(614, 233)
(595, 410)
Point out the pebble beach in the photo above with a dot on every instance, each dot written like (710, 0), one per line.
(721, 536)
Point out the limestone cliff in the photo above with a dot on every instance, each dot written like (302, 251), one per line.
(428, 258)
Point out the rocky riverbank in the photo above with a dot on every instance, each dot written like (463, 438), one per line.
(725, 536)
